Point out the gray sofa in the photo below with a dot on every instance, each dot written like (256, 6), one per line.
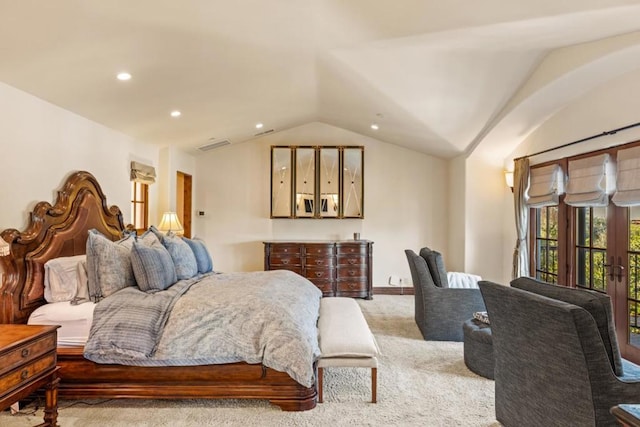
(557, 361)
(440, 311)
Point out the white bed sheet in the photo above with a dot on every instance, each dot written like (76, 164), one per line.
(74, 320)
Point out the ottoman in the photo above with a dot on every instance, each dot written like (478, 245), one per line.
(478, 348)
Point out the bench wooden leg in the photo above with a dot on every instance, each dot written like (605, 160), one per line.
(320, 375)
(374, 385)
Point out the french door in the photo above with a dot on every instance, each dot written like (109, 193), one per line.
(596, 248)
(606, 258)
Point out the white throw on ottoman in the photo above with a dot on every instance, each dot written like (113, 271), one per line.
(345, 340)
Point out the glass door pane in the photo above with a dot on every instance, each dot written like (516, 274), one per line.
(591, 248)
(633, 276)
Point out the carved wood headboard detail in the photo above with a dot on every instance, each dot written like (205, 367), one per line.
(53, 231)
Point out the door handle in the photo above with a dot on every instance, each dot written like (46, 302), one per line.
(620, 268)
(611, 266)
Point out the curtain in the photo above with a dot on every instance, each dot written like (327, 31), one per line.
(521, 251)
(587, 182)
(545, 184)
(143, 173)
(628, 178)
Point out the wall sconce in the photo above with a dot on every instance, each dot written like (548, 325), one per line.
(508, 177)
(170, 223)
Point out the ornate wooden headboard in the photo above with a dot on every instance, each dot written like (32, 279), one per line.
(53, 231)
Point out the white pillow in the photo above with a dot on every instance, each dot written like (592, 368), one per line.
(62, 279)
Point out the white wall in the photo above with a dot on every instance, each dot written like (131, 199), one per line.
(173, 160)
(406, 201)
(41, 144)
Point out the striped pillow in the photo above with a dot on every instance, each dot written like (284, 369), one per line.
(152, 267)
(182, 256)
(205, 264)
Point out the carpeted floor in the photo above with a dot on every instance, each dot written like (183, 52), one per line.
(419, 383)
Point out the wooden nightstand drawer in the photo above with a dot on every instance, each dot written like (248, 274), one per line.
(23, 354)
(26, 373)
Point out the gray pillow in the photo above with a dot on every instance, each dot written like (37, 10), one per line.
(597, 304)
(203, 258)
(148, 238)
(152, 266)
(436, 266)
(182, 256)
(108, 265)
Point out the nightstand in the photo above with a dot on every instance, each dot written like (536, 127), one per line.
(28, 363)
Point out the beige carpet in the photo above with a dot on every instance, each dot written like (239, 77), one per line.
(419, 383)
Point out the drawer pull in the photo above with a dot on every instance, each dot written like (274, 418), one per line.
(352, 272)
(285, 261)
(319, 262)
(351, 261)
(25, 352)
(285, 250)
(318, 274)
(24, 374)
(352, 285)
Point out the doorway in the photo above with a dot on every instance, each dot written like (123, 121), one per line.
(183, 201)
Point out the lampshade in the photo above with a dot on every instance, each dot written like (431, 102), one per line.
(508, 177)
(170, 223)
(4, 247)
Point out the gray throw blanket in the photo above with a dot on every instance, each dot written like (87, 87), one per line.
(262, 317)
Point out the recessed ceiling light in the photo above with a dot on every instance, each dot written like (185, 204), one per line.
(124, 76)
(259, 125)
(374, 126)
(176, 113)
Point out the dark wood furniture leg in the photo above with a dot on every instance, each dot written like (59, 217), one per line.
(51, 402)
(374, 385)
(320, 375)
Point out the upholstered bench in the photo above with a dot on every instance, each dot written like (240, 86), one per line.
(478, 348)
(345, 340)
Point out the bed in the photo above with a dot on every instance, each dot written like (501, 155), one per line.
(61, 230)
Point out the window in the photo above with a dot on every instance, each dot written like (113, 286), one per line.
(546, 244)
(591, 248)
(139, 206)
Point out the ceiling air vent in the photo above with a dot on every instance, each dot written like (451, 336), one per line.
(213, 145)
(264, 132)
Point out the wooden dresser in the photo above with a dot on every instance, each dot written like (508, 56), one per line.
(340, 268)
(28, 363)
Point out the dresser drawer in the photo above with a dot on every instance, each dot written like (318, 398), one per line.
(326, 286)
(29, 351)
(346, 272)
(285, 248)
(294, 268)
(27, 372)
(285, 259)
(352, 260)
(346, 286)
(318, 249)
(319, 261)
(320, 273)
(352, 248)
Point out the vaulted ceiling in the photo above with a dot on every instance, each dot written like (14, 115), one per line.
(436, 76)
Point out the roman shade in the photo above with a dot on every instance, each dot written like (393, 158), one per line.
(545, 184)
(587, 182)
(143, 173)
(628, 178)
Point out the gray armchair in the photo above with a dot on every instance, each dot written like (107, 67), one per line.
(553, 364)
(440, 311)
